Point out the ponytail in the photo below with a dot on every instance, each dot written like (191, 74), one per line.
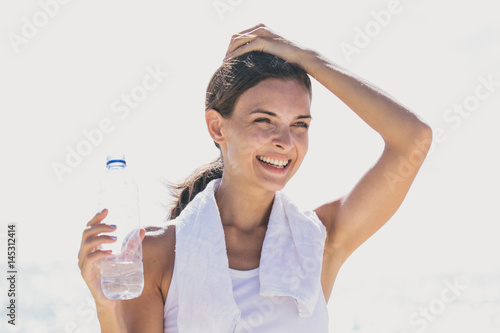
(185, 191)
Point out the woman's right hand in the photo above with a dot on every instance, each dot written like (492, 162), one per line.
(90, 255)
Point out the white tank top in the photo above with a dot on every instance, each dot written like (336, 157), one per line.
(258, 313)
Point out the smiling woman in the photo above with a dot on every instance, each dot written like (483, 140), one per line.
(259, 82)
(277, 135)
(238, 255)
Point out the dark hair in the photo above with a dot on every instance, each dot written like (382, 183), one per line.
(231, 80)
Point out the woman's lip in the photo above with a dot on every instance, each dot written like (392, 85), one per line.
(276, 158)
(274, 169)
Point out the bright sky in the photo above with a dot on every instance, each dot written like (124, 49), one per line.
(65, 75)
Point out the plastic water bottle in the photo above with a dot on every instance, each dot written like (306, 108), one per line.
(122, 272)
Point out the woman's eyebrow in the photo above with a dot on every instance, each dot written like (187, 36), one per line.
(306, 116)
(272, 114)
(269, 113)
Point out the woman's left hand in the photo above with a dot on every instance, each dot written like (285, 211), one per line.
(260, 38)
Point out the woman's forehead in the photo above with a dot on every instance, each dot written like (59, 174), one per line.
(275, 95)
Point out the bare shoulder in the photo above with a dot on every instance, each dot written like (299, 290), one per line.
(159, 255)
(159, 236)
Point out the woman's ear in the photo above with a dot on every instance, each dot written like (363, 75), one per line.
(215, 123)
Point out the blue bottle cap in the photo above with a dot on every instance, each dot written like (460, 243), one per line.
(115, 158)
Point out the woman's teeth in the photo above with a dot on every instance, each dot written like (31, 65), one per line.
(274, 163)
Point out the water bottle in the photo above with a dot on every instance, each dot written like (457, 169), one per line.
(122, 272)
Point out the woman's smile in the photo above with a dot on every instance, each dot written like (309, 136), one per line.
(279, 166)
(277, 163)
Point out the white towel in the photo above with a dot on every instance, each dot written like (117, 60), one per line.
(290, 263)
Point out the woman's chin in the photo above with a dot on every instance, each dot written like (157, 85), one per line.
(274, 184)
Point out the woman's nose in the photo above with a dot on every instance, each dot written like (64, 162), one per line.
(283, 139)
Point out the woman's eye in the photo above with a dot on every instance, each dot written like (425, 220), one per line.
(262, 120)
(302, 124)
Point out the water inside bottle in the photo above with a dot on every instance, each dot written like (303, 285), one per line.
(122, 280)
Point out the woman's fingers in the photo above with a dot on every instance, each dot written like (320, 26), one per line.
(261, 38)
(247, 36)
(257, 38)
(98, 217)
(91, 237)
(91, 259)
(90, 254)
(248, 33)
(95, 230)
(94, 242)
(260, 25)
(90, 246)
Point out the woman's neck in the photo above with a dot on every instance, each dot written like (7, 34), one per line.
(243, 207)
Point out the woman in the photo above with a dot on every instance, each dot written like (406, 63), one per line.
(258, 114)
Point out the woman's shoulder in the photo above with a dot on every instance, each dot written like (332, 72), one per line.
(158, 251)
(158, 255)
(155, 232)
(159, 242)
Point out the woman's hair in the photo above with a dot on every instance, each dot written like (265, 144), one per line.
(232, 79)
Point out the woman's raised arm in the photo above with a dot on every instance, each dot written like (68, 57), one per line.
(355, 217)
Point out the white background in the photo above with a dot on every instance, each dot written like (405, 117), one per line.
(62, 78)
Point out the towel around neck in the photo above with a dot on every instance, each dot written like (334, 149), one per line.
(290, 263)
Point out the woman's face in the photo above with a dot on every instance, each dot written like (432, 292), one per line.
(266, 138)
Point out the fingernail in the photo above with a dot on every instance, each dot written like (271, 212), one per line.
(112, 237)
(102, 210)
(112, 226)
